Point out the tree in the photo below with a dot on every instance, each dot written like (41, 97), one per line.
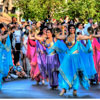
(24, 6)
(97, 6)
(40, 9)
(82, 9)
(47, 8)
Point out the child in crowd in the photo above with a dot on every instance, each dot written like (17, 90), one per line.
(19, 70)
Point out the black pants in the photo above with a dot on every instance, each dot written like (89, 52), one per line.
(17, 52)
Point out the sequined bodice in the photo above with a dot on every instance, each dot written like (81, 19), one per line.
(70, 42)
(50, 44)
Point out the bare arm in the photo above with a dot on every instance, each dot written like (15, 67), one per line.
(4, 36)
(30, 37)
(96, 36)
(82, 37)
(38, 38)
(61, 37)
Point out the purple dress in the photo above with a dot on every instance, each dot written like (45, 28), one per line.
(41, 59)
(52, 66)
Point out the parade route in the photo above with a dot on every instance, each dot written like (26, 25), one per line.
(25, 88)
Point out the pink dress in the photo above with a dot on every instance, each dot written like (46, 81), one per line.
(96, 56)
(32, 55)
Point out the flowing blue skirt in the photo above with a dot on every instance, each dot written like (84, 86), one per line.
(87, 56)
(72, 72)
(5, 59)
(1, 64)
(72, 67)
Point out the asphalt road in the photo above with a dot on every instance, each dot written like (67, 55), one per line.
(26, 88)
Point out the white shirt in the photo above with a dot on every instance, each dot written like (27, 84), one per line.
(17, 36)
(80, 31)
(86, 28)
(24, 47)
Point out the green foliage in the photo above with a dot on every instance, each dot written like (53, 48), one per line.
(11, 15)
(82, 9)
(41, 9)
(97, 7)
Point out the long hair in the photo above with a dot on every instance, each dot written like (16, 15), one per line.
(71, 25)
(51, 30)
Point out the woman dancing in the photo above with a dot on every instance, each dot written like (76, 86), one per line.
(72, 69)
(32, 55)
(52, 60)
(96, 53)
(5, 62)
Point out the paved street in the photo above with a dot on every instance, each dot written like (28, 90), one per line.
(26, 88)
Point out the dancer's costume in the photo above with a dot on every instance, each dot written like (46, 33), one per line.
(5, 58)
(86, 52)
(96, 55)
(32, 55)
(52, 65)
(72, 67)
(41, 59)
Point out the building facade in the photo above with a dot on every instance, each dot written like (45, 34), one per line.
(6, 6)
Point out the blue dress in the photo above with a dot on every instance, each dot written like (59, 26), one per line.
(5, 59)
(1, 64)
(71, 71)
(72, 67)
(87, 56)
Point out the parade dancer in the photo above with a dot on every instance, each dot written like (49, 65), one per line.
(5, 57)
(71, 71)
(96, 53)
(32, 55)
(87, 56)
(41, 55)
(52, 60)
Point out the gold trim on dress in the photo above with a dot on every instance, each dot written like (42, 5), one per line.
(74, 78)
(75, 52)
(57, 49)
(65, 78)
(52, 53)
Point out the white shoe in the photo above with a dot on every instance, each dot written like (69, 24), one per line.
(62, 92)
(43, 82)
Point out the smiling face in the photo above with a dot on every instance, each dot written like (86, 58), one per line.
(49, 34)
(80, 26)
(72, 30)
